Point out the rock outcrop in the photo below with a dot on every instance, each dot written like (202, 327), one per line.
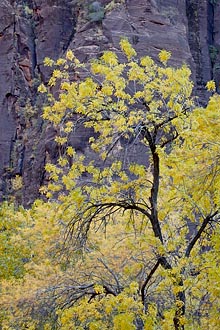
(30, 30)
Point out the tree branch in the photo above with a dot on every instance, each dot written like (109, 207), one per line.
(199, 233)
(147, 280)
(151, 139)
(119, 287)
(152, 216)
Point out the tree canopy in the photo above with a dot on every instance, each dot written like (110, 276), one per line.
(128, 236)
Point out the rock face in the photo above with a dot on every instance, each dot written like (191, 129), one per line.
(30, 30)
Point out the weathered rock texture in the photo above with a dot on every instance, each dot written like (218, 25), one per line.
(30, 30)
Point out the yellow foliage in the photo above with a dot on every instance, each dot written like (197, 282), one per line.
(211, 85)
(128, 50)
(121, 237)
(42, 88)
(164, 56)
(69, 55)
(48, 61)
(17, 182)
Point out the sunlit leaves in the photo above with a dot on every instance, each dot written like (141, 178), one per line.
(137, 211)
(69, 55)
(194, 164)
(211, 85)
(48, 61)
(110, 58)
(14, 252)
(127, 48)
(149, 104)
(42, 88)
(164, 56)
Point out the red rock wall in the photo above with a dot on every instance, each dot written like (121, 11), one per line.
(31, 30)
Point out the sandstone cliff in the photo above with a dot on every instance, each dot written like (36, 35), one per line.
(30, 30)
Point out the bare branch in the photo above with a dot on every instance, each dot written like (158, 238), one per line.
(204, 224)
(147, 280)
(171, 139)
(112, 273)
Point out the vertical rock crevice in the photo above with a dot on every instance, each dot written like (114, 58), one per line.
(202, 26)
(216, 43)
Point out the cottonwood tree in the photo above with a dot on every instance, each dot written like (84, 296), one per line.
(142, 203)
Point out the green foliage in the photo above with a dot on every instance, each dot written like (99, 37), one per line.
(96, 12)
(213, 52)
